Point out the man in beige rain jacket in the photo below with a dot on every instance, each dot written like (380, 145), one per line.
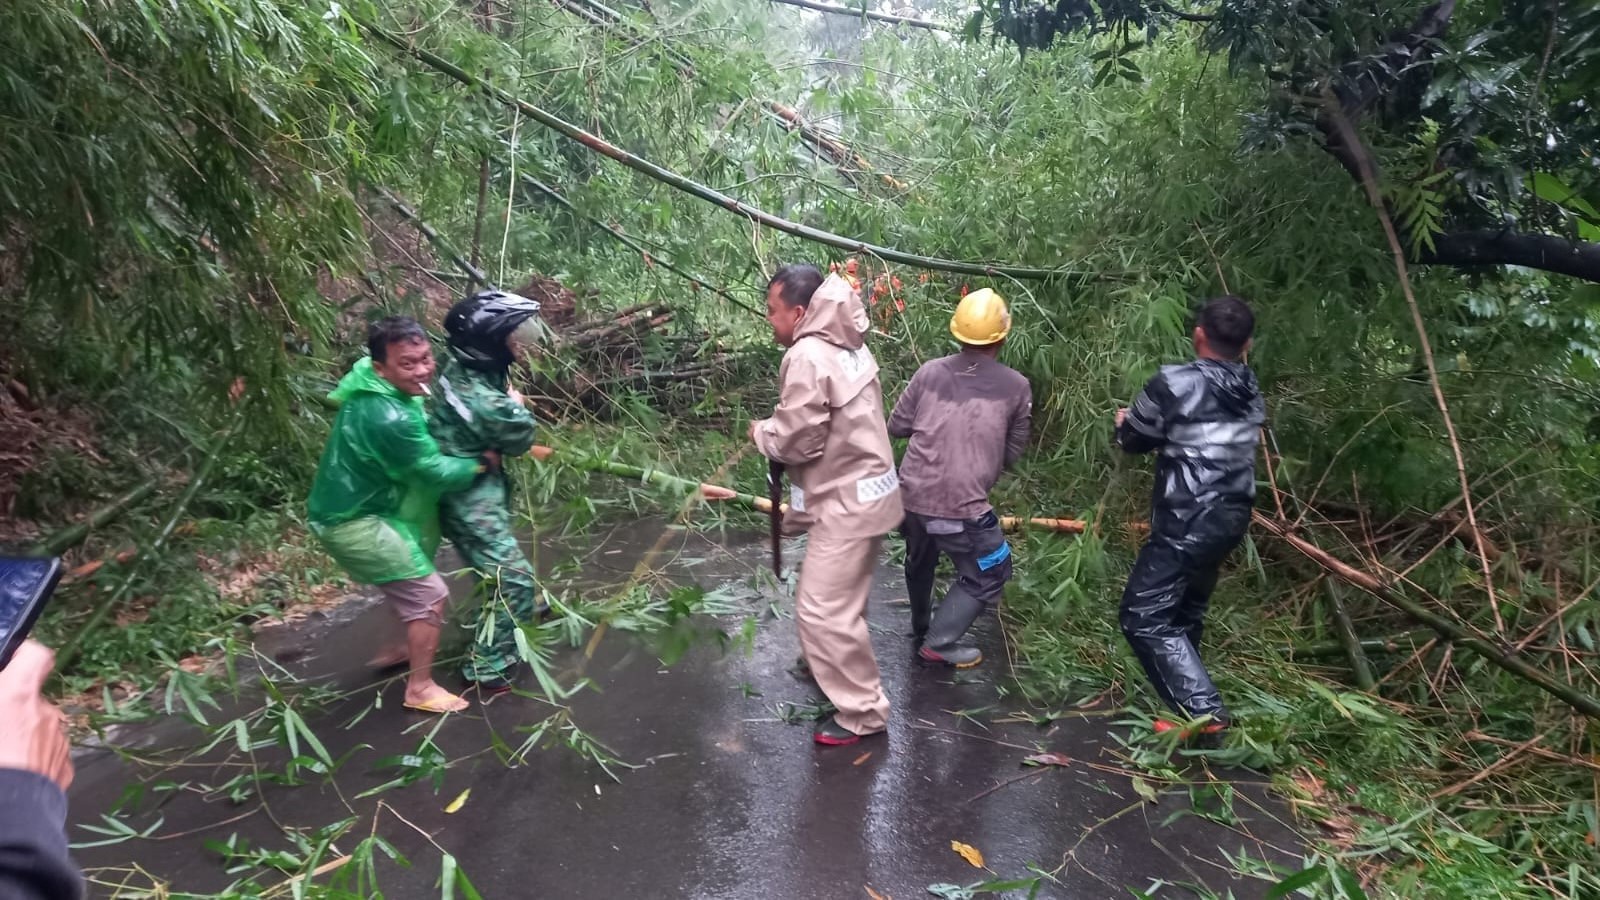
(829, 431)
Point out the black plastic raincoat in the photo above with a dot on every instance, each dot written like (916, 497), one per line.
(1203, 420)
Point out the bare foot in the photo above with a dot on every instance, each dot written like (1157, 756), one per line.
(433, 698)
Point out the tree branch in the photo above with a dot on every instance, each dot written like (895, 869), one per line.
(1362, 83)
(849, 163)
(1488, 247)
(645, 255)
(710, 195)
(862, 13)
(1495, 653)
(1177, 13)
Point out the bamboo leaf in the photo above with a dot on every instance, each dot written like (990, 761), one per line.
(1298, 881)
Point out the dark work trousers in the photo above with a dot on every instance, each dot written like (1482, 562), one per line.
(983, 566)
(1164, 605)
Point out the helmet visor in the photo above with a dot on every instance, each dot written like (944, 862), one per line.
(532, 331)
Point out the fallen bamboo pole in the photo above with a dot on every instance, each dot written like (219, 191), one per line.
(712, 492)
(708, 194)
(1471, 639)
(1059, 526)
(1400, 643)
(68, 653)
(642, 473)
(846, 160)
(649, 258)
(862, 12)
(443, 246)
(1465, 637)
(1360, 667)
(73, 535)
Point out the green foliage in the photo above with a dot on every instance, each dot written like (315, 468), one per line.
(1500, 94)
(181, 185)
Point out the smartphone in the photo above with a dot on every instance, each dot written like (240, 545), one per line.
(25, 587)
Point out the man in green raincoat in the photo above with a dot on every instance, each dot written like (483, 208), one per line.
(475, 410)
(374, 503)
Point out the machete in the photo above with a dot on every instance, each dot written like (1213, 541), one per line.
(775, 514)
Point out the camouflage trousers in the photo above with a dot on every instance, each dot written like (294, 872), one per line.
(478, 522)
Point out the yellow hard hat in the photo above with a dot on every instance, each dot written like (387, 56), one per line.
(981, 319)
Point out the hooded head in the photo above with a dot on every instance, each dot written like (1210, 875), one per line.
(788, 297)
(800, 303)
(480, 328)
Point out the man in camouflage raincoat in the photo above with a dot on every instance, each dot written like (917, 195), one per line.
(475, 410)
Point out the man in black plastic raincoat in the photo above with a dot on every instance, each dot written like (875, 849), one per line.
(1203, 420)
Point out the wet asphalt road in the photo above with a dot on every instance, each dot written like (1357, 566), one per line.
(727, 800)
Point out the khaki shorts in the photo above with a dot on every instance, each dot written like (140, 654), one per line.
(417, 599)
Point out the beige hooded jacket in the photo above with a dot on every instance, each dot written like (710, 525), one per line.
(829, 426)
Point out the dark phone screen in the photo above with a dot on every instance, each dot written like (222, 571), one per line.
(25, 585)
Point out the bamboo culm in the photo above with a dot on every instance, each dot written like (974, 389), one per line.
(410, 215)
(644, 252)
(68, 653)
(711, 195)
(1360, 667)
(1463, 636)
(73, 535)
(862, 12)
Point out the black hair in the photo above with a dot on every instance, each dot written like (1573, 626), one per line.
(796, 283)
(392, 330)
(1228, 324)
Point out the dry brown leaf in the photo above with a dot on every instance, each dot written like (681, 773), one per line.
(85, 570)
(1048, 759)
(874, 894)
(862, 758)
(969, 853)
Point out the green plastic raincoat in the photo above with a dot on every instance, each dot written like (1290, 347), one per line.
(374, 503)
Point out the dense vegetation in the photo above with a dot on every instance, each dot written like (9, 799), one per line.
(194, 221)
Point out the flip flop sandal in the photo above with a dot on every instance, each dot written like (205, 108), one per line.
(441, 705)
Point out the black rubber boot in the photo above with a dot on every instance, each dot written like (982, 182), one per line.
(954, 655)
(950, 622)
(830, 733)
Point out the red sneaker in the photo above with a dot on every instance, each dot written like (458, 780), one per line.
(1162, 726)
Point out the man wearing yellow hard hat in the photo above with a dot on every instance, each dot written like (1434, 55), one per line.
(967, 416)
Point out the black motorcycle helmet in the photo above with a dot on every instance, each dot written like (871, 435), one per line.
(479, 326)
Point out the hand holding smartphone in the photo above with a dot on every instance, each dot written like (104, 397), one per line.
(34, 738)
(25, 586)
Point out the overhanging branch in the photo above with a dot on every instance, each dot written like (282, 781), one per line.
(1177, 13)
(862, 13)
(645, 255)
(1488, 247)
(711, 195)
(1361, 85)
